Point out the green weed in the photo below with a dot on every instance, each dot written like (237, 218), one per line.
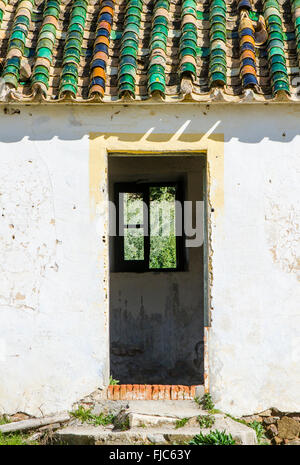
(112, 381)
(206, 403)
(86, 416)
(181, 423)
(206, 421)
(217, 438)
(15, 439)
(4, 420)
(260, 432)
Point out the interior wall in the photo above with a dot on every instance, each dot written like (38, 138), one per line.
(156, 318)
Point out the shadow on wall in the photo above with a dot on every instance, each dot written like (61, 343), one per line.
(246, 123)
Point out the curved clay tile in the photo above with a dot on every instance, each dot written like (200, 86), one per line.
(45, 46)
(218, 40)
(158, 48)
(188, 39)
(72, 50)
(129, 48)
(101, 46)
(16, 46)
(247, 46)
(296, 16)
(3, 5)
(177, 49)
(276, 47)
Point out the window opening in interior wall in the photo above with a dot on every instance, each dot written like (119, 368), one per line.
(148, 231)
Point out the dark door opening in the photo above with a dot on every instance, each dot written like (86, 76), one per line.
(156, 283)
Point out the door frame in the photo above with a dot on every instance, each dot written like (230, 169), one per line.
(103, 145)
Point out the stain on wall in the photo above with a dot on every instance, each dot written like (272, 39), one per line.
(157, 339)
(283, 229)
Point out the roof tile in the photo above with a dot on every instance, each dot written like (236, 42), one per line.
(149, 50)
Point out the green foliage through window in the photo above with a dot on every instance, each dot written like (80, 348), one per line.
(162, 214)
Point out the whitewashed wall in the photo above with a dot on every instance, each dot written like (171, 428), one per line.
(53, 331)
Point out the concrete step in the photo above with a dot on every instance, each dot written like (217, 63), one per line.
(166, 408)
(154, 422)
(96, 435)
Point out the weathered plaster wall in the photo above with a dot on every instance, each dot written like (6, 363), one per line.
(53, 313)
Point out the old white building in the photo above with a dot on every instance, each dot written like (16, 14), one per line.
(228, 315)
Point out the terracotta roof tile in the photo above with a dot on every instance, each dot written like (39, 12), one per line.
(149, 50)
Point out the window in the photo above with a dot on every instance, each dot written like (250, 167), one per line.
(149, 227)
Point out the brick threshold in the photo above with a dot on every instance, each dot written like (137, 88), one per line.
(150, 392)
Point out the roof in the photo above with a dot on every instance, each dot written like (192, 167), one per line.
(149, 50)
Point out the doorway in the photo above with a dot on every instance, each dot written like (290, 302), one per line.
(156, 280)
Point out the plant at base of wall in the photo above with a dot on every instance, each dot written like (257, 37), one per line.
(260, 432)
(86, 416)
(112, 381)
(102, 419)
(82, 414)
(258, 428)
(214, 438)
(206, 421)
(181, 423)
(205, 402)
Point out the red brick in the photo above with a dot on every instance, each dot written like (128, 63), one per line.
(193, 391)
(148, 392)
(186, 392)
(155, 392)
(142, 392)
(180, 392)
(135, 391)
(123, 392)
(167, 392)
(116, 394)
(110, 392)
(129, 393)
(161, 392)
(174, 392)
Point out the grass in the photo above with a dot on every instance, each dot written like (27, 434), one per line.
(238, 420)
(15, 439)
(181, 423)
(214, 438)
(12, 439)
(4, 420)
(206, 421)
(86, 416)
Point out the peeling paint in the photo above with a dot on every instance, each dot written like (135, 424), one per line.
(283, 229)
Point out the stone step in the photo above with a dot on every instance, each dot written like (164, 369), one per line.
(157, 422)
(166, 408)
(164, 435)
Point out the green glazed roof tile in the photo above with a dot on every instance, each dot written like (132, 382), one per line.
(138, 48)
(275, 46)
